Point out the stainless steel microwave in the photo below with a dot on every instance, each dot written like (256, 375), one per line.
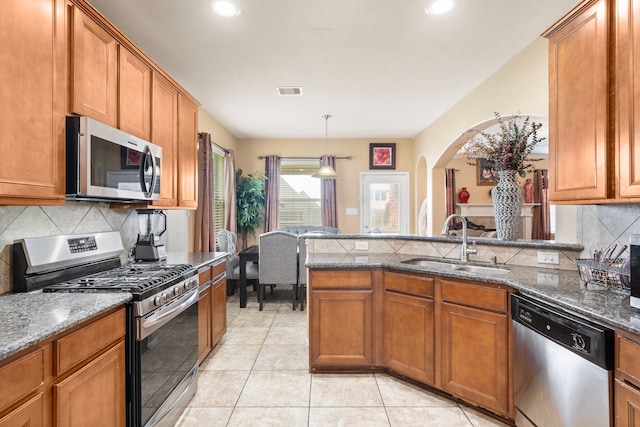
(105, 163)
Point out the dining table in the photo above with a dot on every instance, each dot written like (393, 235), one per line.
(250, 254)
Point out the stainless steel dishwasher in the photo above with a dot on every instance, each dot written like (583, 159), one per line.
(562, 367)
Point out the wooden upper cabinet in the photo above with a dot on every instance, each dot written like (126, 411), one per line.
(134, 94)
(32, 102)
(187, 153)
(628, 92)
(579, 149)
(164, 132)
(94, 70)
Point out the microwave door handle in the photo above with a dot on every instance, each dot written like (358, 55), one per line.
(154, 173)
(143, 185)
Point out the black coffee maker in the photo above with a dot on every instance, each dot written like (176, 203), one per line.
(152, 224)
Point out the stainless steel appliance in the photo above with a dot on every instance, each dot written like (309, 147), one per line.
(562, 367)
(105, 163)
(152, 224)
(634, 269)
(162, 318)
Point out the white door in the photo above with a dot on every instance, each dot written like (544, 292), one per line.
(384, 202)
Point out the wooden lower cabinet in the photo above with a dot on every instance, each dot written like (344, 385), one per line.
(218, 309)
(205, 344)
(95, 394)
(474, 355)
(212, 308)
(343, 328)
(627, 404)
(409, 336)
(31, 413)
(449, 334)
(58, 383)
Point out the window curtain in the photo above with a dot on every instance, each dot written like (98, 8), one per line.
(328, 187)
(541, 215)
(205, 240)
(272, 189)
(230, 219)
(450, 190)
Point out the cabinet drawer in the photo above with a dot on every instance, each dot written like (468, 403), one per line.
(415, 285)
(204, 276)
(627, 359)
(21, 377)
(218, 269)
(82, 344)
(320, 279)
(475, 295)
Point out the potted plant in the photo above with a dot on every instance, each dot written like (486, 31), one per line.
(250, 203)
(508, 153)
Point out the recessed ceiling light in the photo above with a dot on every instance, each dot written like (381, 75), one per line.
(225, 8)
(438, 7)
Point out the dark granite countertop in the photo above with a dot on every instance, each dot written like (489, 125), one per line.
(562, 288)
(33, 317)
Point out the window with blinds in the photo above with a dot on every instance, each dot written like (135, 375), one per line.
(218, 189)
(299, 197)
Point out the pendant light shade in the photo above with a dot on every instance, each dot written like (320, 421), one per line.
(326, 171)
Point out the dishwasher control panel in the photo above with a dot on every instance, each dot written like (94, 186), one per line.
(584, 337)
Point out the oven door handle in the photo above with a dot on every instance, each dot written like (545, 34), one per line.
(151, 324)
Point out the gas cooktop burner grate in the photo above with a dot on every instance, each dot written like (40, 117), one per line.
(138, 279)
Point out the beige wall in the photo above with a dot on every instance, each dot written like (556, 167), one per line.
(348, 183)
(520, 86)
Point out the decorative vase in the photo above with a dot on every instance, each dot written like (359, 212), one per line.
(528, 191)
(507, 205)
(463, 195)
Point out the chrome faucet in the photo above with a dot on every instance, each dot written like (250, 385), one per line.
(464, 255)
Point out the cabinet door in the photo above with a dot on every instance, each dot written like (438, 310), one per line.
(343, 329)
(32, 102)
(409, 336)
(187, 153)
(204, 323)
(164, 132)
(218, 310)
(31, 413)
(94, 71)
(475, 362)
(578, 106)
(627, 405)
(134, 95)
(628, 97)
(95, 394)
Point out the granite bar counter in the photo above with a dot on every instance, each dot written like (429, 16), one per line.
(199, 260)
(562, 288)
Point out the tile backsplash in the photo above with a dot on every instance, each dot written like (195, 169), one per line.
(601, 225)
(18, 222)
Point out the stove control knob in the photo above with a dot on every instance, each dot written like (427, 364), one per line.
(177, 291)
(159, 300)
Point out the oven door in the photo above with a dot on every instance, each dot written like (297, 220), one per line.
(166, 356)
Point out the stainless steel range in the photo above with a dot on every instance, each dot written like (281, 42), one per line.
(162, 318)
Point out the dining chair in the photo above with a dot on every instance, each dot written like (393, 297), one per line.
(278, 263)
(227, 243)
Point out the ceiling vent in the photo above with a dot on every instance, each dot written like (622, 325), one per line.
(289, 91)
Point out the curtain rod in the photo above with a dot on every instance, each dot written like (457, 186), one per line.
(222, 148)
(310, 158)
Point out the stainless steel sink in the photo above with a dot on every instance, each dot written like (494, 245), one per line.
(440, 265)
(477, 269)
(467, 268)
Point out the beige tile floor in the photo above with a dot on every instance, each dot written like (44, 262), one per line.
(258, 376)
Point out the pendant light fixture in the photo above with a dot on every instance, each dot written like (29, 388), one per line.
(326, 171)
